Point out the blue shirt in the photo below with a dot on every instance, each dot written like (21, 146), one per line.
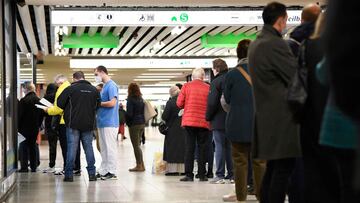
(108, 117)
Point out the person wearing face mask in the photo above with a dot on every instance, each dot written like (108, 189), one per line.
(62, 82)
(276, 138)
(107, 124)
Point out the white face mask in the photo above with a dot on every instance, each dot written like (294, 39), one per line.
(98, 79)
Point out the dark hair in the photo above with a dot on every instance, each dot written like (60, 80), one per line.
(51, 88)
(78, 75)
(101, 69)
(220, 65)
(242, 48)
(179, 85)
(272, 12)
(134, 90)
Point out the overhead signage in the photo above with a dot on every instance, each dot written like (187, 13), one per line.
(147, 63)
(162, 18)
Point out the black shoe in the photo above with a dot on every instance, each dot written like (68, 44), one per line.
(210, 175)
(69, 179)
(23, 170)
(77, 172)
(172, 174)
(204, 179)
(197, 176)
(98, 175)
(187, 179)
(33, 170)
(109, 176)
(92, 178)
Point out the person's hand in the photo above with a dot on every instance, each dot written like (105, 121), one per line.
(46, 110)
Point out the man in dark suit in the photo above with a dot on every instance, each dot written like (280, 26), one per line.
(272, 66)
(29, 121)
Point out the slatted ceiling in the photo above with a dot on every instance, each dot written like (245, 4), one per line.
(50, 39)
(86, 29)
(153, 32)
(158, 38)
(194, 50)
(105, 30)
(126, 33)
(104, 51)
(212, 51)
(34, 26)
(92, 31)
(188, 41)
(220, 51)
(95, 51)
(85, 51)
(251, 31)
(133, 40)
(218, 30)
(230, 30)
(190, 47)
(99, 51)
(117, 31)
(140, 40)
(242, 30)
(40, 21)
(203, 51)
(26, 20)
(20, 39)
(129, 36)
(80, 51)
(79, 31)
(187, 33)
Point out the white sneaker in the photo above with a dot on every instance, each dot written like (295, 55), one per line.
(218, 180)
(230, 198)
(49, 170)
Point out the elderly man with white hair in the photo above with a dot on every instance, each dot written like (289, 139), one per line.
(193, 99)
(29, 120)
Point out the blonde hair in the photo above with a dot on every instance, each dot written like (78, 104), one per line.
(174, 91)
(198, 73)
(319, 27)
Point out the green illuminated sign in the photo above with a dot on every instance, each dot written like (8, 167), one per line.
(86, 41)
(184, 17)
(224, 41)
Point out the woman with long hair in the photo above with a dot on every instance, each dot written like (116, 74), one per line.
(136, 122)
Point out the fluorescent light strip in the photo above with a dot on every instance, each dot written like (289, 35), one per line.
(154, 76)
(141, 63)
(162, 74)
(166, 69)
(139, 79)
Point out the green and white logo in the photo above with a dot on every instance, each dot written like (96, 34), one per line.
(184, 17)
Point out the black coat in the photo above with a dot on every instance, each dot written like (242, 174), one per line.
(272, 67)
(174, 144)
(79, 101)
(135, 111)
(50, 96)
(29, 117)
(298, 35)
(238, 94)
(214, 111)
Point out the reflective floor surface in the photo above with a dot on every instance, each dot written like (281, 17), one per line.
(130, 187)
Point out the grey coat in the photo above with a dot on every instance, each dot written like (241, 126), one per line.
(272, 66)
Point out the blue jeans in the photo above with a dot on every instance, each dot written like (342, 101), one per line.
(222, 154)
(73, 136)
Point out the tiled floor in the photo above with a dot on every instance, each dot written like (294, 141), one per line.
(130, 187)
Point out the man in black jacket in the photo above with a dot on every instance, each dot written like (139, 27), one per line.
(79, 101)
(29, 121)
(216, 115)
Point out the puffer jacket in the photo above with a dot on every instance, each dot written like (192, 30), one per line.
(193, 99)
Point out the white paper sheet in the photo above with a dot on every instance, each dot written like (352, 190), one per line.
(41, 106)
(20, 139)
(46, 102)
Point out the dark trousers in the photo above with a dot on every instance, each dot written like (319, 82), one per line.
(276, 180)
(28, 153)
(63, 145)
(200, 136)
(52, 139)
(296, 186)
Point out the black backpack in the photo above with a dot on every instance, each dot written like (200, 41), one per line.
(298, 90)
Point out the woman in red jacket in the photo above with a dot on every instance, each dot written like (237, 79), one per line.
(193, 99)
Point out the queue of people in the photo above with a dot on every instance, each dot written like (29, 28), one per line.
(304, 151)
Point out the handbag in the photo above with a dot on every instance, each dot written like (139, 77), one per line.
(297, 91)
(223, 103)
(55, 122)
(163, 128)
(149, 111)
